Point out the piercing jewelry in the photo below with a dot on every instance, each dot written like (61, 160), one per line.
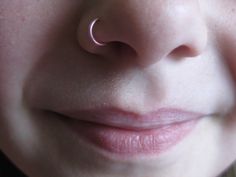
(91, 26)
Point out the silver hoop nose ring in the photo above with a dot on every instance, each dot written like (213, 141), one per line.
(91, 33)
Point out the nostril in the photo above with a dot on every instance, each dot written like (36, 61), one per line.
(182, 52)
(122, 50)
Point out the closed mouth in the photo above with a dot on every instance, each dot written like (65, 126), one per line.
(129, 134)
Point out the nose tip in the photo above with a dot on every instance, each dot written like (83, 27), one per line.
(150, 30)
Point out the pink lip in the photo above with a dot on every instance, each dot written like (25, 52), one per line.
(125, 133)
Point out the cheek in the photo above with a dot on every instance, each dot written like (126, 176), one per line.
(221, 20)
(229, 51)
(28, 29)
(225, 27)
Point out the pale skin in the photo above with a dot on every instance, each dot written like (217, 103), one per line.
(176, 53)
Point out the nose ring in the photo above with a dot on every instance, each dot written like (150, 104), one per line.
(91, 33)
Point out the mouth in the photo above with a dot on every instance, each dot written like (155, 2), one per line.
(126, 133)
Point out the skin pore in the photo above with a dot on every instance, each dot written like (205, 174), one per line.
(159, 53)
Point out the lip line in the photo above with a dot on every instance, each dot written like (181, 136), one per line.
(117, 118)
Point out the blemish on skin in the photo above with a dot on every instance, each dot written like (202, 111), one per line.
(23, 19)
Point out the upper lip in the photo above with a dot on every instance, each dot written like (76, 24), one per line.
(115, 117)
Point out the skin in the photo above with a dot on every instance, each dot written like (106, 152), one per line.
(172, 53)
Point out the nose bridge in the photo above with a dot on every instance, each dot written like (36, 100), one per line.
(154, 28)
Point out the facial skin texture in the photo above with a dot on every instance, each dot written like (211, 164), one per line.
(174, 53)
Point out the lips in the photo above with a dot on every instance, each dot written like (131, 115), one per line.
(129, 120)
(127, 133)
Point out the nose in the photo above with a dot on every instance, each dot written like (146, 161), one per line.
(144, 31)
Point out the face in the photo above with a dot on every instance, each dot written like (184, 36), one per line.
(158, 99)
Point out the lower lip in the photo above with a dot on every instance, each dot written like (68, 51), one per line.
(133, 142)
